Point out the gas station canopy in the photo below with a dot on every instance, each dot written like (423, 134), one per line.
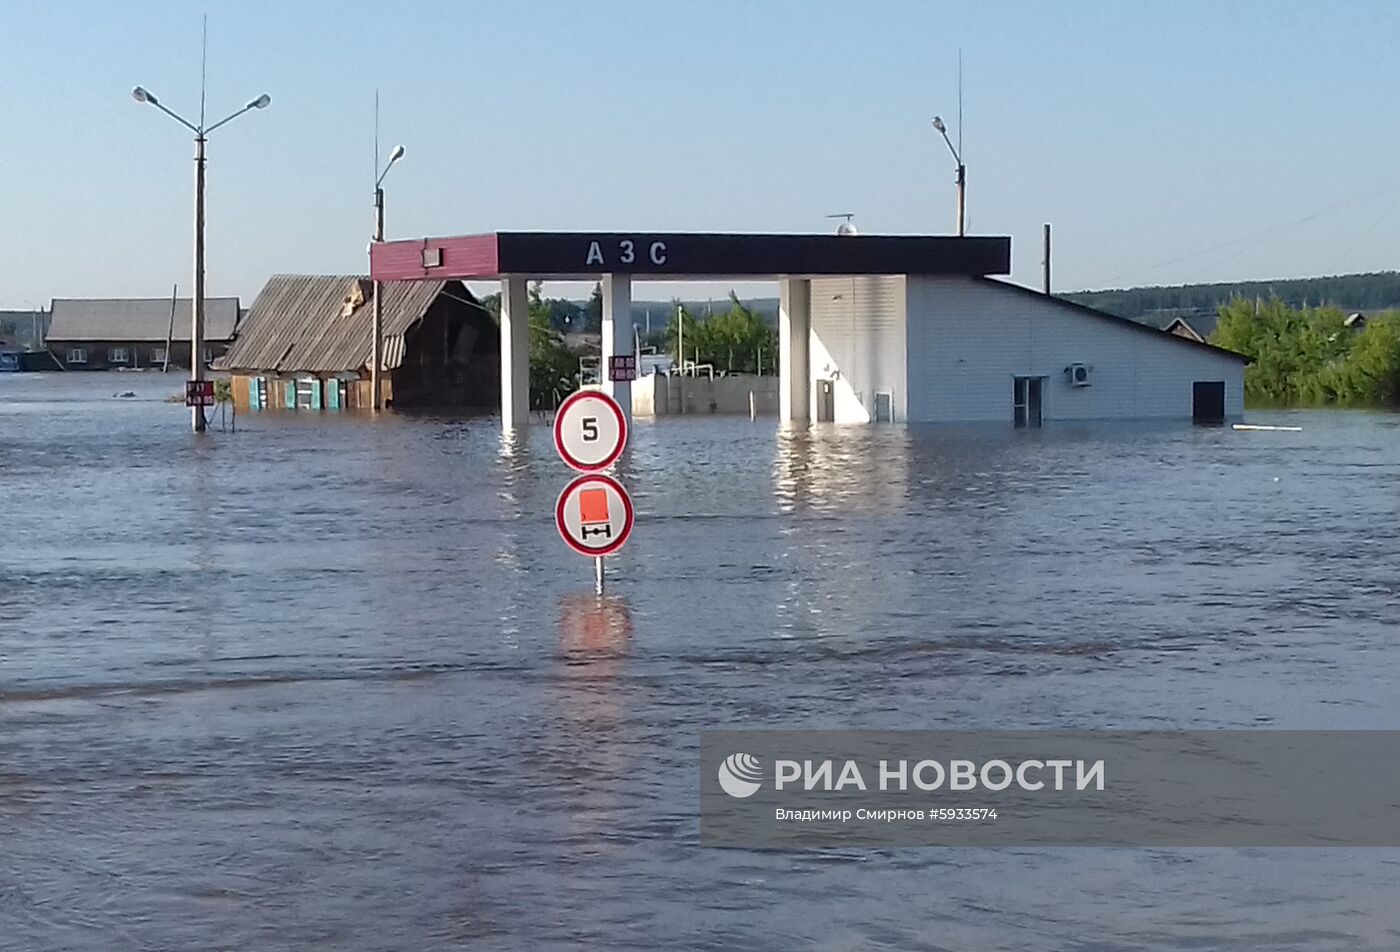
(683, 256)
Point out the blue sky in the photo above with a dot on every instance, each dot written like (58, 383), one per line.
(1167, 142)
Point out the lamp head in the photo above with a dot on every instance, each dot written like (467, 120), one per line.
(396, 154)
(938, 124)
(262, 102)
(141, 95)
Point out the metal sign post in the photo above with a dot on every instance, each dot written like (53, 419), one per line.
(594, 513)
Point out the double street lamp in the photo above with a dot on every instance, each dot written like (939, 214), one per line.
(377, 347)
(201, 132)
(962, 175)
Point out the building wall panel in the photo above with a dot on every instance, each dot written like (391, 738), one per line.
(969, 338)
(857, 338)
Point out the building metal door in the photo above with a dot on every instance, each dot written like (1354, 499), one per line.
(1026, 401)
(1208, 402)
(884, 406)
(826, 401)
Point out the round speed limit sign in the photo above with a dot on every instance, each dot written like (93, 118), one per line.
(589, 431)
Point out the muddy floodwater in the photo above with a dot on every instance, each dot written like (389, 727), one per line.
(332, 683)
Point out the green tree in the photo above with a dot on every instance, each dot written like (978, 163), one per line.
(553, 369)
(680, 317)
(733, 341)
(1308, 356)
(1371, 373)
(593, 311)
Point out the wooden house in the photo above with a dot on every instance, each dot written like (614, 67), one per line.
(306, 344)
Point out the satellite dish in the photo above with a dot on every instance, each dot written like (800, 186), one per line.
(846, 229)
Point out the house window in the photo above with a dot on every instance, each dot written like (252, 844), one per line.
(119, 355)
(77, 355)
(208, 355)
(157, 355)
(308, 393)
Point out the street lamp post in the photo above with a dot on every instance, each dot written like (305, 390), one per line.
(377, 346)
(962, 175)
(201, 133)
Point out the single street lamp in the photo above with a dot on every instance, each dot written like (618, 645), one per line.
(377, 347)
(201, 132)
(962, 175)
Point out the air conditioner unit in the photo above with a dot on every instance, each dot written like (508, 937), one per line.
(1078, 375)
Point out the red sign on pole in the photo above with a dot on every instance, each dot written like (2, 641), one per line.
(594, 515)
(622, 367)
(199, 393)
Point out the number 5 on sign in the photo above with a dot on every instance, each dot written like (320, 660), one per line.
(589, 431)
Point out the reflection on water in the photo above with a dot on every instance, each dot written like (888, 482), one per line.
(331, 683)
(594, 628)
(595, 634)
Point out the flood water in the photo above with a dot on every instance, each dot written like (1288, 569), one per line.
(332, 683)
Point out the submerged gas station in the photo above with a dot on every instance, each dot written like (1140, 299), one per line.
(871, 328)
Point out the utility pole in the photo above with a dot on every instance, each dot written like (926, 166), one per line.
(201, 132)
(197, 311)
(1047, 257)
(962, 199)
(957, 153)
(376, 349)
(376, 359)
(962, 175)
(377, 346)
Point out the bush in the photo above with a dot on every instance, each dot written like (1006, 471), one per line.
(1309, 357)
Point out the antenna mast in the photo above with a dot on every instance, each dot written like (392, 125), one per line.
(960, 102)
(203, 71)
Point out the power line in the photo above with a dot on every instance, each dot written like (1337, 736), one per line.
(1256, 237)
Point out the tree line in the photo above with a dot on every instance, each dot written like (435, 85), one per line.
(1376, 291)
(1312, 356)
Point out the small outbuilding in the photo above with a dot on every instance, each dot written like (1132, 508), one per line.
(135, 333)
(307, 341)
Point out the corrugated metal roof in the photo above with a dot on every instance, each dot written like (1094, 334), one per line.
(143, 319)
(322, 323)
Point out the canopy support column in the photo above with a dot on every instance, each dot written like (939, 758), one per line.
(515, 352)
(618, 336)
(794, 335)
